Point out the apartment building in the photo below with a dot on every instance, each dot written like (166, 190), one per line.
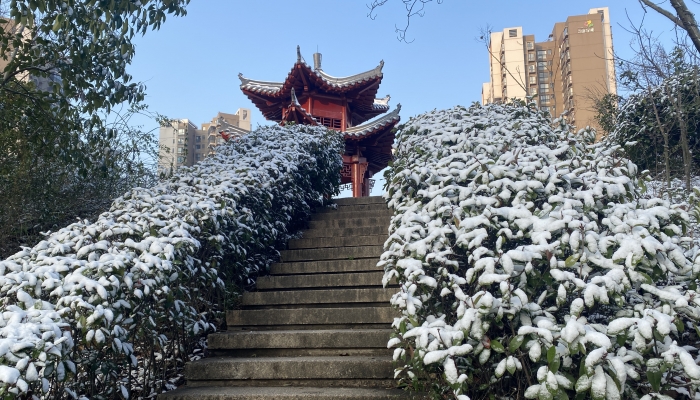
(562, 74)
(182, 143)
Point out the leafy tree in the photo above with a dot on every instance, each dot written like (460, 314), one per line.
(81, 46)
(65, 152)
(53, 170)
(606, 109)
(659, 122)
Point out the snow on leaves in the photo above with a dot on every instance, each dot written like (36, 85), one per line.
(97, 306)
(529, 265)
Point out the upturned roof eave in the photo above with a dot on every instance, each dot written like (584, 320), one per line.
(383, 123)
(322, 80)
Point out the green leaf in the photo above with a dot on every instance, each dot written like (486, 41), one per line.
(571, 260)
(647, 278)
(621, 339)
(551, 353)
(56, 23)
(554, 364)
(679, 325)
(497, 346)
(654, 379)
(515, 343)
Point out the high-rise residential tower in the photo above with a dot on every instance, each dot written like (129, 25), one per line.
(183, 144)
(563, 74)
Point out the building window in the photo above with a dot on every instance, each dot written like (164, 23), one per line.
(544, 87)
(198, 139)
(545, 108)
(512, 33)
(180, 141)
(530, 45)
(198, 146)
(332, 123)
(531, 68)
(533, 91)
(181, 150)
(541, 54)
(544, 98)
(530, 57)
(549, 53)
(541, 65)
(197, 156)
(181, 131)
(533, 80)
(180, 160)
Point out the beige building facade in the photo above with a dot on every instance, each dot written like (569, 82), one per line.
(563, 74)
(183, 144)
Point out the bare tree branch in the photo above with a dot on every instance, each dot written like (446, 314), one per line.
(663, 12)
(413, 8)
(684, 19)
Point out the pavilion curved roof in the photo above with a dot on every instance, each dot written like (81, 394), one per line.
(379, 124)
(320, 76)
(360, 89)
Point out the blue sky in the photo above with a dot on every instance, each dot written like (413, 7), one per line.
(191, 65)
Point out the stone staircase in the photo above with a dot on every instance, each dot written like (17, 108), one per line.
(317, 327)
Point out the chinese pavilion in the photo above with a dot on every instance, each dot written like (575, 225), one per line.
(310, 96)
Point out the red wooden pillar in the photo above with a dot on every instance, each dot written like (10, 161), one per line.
(359, 168)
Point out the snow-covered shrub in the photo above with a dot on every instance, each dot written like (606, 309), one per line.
(107, 309)
(529, 267)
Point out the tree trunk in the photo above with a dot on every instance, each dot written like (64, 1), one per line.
(685, 147)
(688, 20)
(664, 134)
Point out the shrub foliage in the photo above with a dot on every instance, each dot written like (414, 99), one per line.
(529, 266)
(105, 309)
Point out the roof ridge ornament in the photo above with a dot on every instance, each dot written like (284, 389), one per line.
(295, 101)
(243, 79)
(317, 61)
(298, 54)
(383, 101)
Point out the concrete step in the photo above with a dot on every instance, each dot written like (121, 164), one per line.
(317, 297)
(284, 393)
(343, 241)
(328, 266)
(349, 214)
(358, 221)
(332, 253)
(292, 282)
(302, 318)
(333, 371)
(352, 201)
(352, 231)
(328, 342)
